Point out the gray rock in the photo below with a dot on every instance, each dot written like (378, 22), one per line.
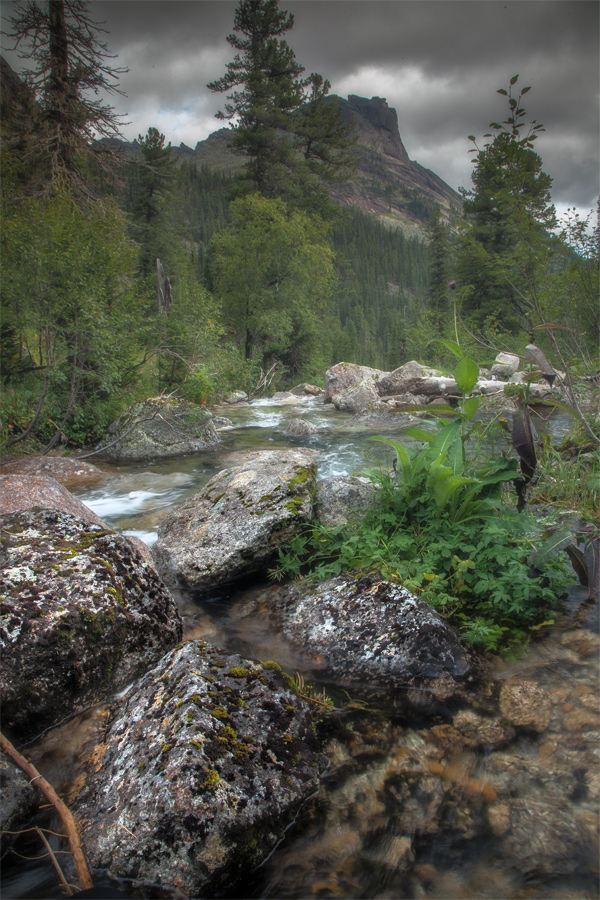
(236, 523)
(66, 470)
(18, 492)
(505, 365)
(160, 428)
(236, 397)
(221, 422)
(301, 428)
(357, 397)
(337, 498)
(373, 632)
(286, 398)
(19, 800)
(342, 376)
(207, 760)
(307, 390)
(82, 615)
(404, 379)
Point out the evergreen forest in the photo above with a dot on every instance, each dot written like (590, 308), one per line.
(130, 275)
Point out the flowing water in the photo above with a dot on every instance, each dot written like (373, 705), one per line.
(411, 806)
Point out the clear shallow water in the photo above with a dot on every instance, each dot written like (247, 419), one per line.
(409, 808)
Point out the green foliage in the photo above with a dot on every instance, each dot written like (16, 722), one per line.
(273, 273)
(440, 528)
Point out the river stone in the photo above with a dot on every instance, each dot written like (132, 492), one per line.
(160, 428)
(307, 390)
(525, 704)
(505, 365)
(206, 761)
(82, 615)
(344, 375)
(19, 492)
(301, 428)
(370, 632)
(337, 498)
(236, 523)
(405, 379)
(357, 397)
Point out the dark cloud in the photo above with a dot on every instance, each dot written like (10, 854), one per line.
(437, 62)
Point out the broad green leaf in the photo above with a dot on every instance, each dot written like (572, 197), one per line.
(446, 436)
(402, 455)
(444, 488)
(470, 407)
(449, 345)
(419, 434)
(514, 80)
(466, 375)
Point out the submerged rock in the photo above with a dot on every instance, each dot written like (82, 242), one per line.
(236, 523)
(160, 428)
(207, 760)
(373, 633)
(82, 615)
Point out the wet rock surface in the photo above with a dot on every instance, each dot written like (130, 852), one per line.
(235, 524)
(368, 632)
(66, 470)
(206, 761)
(19, 800)
(82, 614)
(19, 492)
(159, 428)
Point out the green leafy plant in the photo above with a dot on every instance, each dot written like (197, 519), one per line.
(439, 527)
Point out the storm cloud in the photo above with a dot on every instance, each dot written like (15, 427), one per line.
(439, 63)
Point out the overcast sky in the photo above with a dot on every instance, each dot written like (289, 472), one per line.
(437, 62)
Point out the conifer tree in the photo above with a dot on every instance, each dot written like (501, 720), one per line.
(71, 74)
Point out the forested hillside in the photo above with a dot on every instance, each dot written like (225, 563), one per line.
(131, 273)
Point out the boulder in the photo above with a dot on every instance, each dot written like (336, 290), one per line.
(505, 365)
(237, 522)
(404, 379)
(337, 498)
(369, 632)
(357, 397)
(301, 428)
(19, 492)
(236, 397)
(222, 422)
(205, 763)
(64, 469)
(82, 615)
(307, 390)
(160, 428)
(344, 375)
(286, 398)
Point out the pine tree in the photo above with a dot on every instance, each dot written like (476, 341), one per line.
(70, 77)
(509, 213)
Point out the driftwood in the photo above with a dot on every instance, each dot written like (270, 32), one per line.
(81, 867)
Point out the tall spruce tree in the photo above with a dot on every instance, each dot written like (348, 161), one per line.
(291, 136)
(509, 213)
(70, 76)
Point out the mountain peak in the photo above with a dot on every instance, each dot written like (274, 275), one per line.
(376, 123)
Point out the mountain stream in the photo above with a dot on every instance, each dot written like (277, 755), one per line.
(411, 806)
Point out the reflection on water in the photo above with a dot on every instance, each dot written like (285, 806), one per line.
(472, 806)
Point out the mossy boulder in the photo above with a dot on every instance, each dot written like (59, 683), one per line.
(82, 614)
(159, 428)
(204, 764)
(235, 525)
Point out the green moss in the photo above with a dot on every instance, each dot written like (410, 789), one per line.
(196, 744)
(238, 672)
(166, 747)
(271, 664)
(219, 712)
(294, 506)
(141, 765)
(190, 716)
(303, 474)
(211, 781)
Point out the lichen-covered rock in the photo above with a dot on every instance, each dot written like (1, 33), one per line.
(19, 800)
(337, 498)
(373, 633)
(26, 491)
(307, 390)
(405, 379)
(505, 365)
(206, 761)
(342, 376)
(82, 614)
(357, 397)
(236, 523)
(160, 428)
